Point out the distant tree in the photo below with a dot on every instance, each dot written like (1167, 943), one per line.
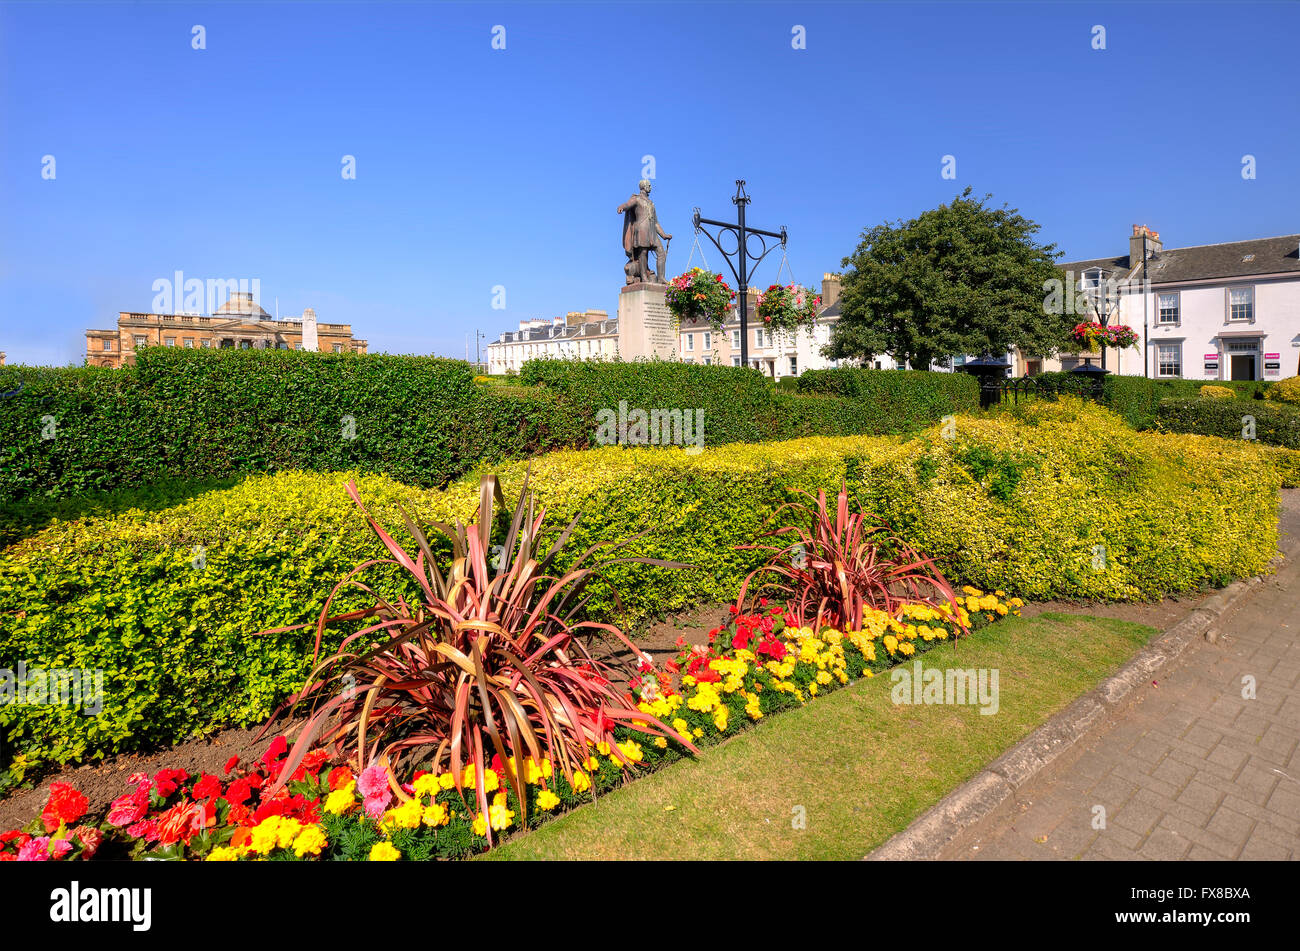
(961, 278)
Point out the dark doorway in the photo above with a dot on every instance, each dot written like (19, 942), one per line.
(1243, 366)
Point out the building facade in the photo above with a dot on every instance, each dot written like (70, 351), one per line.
(238, 323)
(1211, 312)
(579, 335)
(774, 355)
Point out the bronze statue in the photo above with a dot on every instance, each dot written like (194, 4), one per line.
(641, 234)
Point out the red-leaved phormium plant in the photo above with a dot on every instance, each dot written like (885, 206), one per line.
(831, 566)
(487, 660)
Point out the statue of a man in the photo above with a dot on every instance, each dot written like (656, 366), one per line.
(641, 234)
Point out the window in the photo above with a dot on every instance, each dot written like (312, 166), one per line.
(245, 345)
(139, 340)
(690, 341)
(106, 344)
(708, 341)
(758, 338)
(206, 343)
(1167, 309)
(794, 366)
(735, 340)
(188, 342)
(708, 361)
(1169, 360)
(338, 348)
(169, 341)
(735, 361)
(1241, 303)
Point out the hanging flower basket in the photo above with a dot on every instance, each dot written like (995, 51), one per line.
(783, 308)
(1092, 336)
(700, 296)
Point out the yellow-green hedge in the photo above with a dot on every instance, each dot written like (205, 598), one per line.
(1210, 391)
(1015, 501)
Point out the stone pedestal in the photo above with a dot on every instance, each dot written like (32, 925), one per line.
(645, 328)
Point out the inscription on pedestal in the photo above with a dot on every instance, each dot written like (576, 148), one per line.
(645, 327)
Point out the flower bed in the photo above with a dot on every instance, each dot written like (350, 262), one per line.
(755, 666)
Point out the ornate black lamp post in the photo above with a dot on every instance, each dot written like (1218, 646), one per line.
(743, 255)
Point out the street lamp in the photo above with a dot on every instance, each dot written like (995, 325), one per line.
(743, 254)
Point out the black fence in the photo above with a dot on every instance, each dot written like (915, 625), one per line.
(994, 391)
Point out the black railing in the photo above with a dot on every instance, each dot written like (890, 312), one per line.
(993, 391)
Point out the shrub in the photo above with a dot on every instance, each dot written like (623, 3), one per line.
(1169, 513)
(1287, 391)
(210, 414)
(1015, 501)
(903, 396)
(1272, 423)
(491, 657)
(1217, 392)
(1137, 398)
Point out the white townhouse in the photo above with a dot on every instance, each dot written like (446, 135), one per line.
(1211, 312)
(581, 335)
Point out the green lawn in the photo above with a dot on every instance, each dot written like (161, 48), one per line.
(860, 766)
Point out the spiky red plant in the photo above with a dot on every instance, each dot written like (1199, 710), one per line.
(830, 567)
(486, 660)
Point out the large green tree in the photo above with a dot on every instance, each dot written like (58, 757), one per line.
(961, 278)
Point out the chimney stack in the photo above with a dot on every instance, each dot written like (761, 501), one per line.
(1135, 244)
(830, 288)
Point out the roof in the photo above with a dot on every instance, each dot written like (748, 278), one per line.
(241, 304)
(1232, 259)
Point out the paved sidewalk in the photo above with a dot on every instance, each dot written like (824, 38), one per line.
(1191, 769)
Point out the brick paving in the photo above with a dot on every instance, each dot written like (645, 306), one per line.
(1191, 769)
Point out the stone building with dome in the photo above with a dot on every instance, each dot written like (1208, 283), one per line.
(238, 323)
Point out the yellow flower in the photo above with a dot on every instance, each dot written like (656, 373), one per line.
(384, 852)
(720, 719)
(661, 743)
(405, 816)
(446, 781)
(547, 800)
(341, 800)
(499, 814)
(891, 643)
(310, 841)
(436, 815)
(426, 785)
(581, 781)
(480, 824)
(224, 853)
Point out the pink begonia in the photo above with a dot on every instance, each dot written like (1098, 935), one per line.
(37, 850)
(60, 848)
(375, 790)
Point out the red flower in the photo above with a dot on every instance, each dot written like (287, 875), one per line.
(91, 839)
(65, 806)
(208, 787)
(771, 647)
(340, 776)
(231, 764)
(130, 808)
(741, 640)
(279, 746)
(314, 760)
(167, 781)
(238, 792)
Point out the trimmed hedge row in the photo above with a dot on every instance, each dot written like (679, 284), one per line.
(1137, 398)
(1017, 501)
(1273, 423)
(200, 414)
(905, 396)
(741, 405)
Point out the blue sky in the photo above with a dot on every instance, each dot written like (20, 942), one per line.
(478, 167)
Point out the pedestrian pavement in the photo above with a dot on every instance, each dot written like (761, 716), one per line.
(1204, 763)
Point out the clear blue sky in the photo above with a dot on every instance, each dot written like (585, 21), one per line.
(478, 167)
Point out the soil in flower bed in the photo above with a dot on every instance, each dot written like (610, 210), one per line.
(103, 782)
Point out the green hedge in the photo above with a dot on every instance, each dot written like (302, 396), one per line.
(899, 397)
(1137, 399)
(741, 405)
(1275, 424)
(200, 414)
(1015, 501)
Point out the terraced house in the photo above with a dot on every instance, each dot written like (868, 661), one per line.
(1211, 312)
(238, 323)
